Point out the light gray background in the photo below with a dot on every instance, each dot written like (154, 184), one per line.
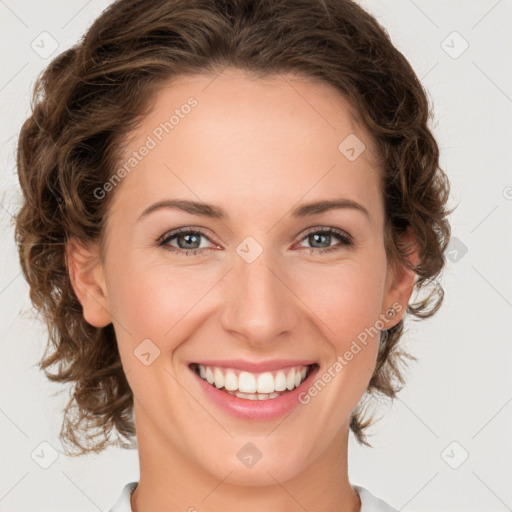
(459, 391)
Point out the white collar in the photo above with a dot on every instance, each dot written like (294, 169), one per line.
(369, 502)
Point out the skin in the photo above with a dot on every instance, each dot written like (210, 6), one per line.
(257, 148)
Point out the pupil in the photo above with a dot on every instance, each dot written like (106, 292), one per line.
(187, 237)
(316, 236)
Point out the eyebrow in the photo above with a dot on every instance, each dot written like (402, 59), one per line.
(216, 212)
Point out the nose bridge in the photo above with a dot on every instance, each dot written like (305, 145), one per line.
(261, 305)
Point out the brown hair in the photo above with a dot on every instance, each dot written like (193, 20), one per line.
(92, 95)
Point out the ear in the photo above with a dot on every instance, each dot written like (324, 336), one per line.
(400, 281)
(88, 282)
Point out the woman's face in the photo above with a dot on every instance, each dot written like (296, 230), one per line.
(256, 291)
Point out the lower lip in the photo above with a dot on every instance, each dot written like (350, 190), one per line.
(269, 409)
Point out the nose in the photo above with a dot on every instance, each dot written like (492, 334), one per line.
(260, 306)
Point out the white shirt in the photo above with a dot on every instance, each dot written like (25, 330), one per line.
(369, 503)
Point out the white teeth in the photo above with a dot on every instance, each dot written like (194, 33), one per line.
(246, 382)
(280, 381)
(219, 378)
(209, 376)
(247, 396)
(298, 379)
(230, 381)
(250, 396)
(290, 379)
(265, 383)
(263, 386)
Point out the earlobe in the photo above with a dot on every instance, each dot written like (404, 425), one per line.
(401, 280)
(88, 282)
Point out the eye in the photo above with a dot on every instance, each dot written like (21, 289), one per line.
(188, 241)
(318, 236)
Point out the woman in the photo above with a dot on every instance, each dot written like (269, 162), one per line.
(228, 205)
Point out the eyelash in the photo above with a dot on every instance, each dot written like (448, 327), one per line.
(164, 240)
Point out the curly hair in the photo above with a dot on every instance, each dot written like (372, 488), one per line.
(90, 97)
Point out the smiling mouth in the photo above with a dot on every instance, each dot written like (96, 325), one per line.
(254, 386)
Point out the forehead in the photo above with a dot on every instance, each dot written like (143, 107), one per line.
(236, 140)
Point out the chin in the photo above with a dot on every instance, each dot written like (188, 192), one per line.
(265, 471)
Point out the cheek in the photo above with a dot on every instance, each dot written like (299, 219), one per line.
(151, 300)
(151, 303)
(346, 299)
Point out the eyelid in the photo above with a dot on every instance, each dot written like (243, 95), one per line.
(326, 229)
(187, 229)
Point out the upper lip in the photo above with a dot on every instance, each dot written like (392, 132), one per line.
(256, 367)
